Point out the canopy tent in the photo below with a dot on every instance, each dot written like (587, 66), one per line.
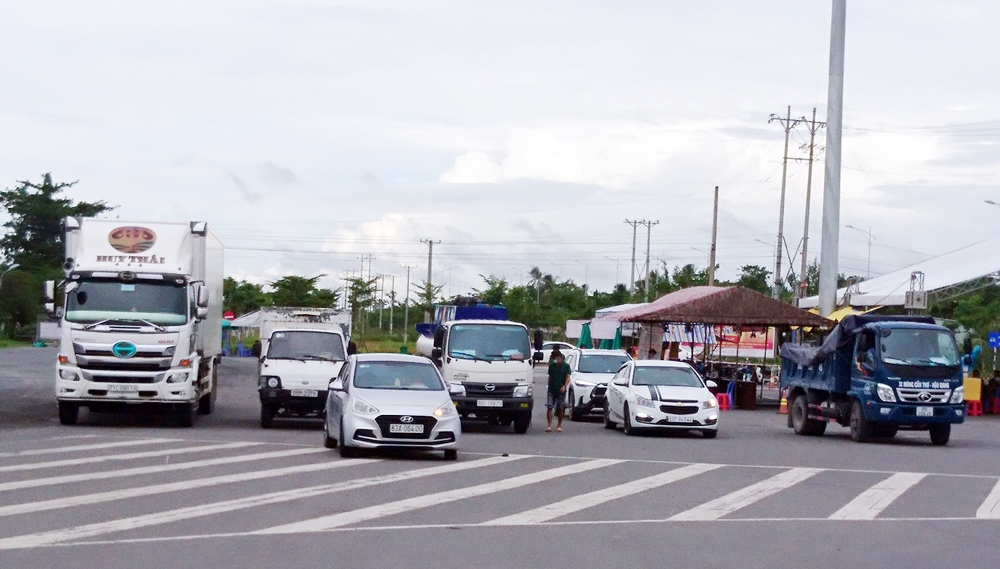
(966, 266)
(248, 320)
(734, 305)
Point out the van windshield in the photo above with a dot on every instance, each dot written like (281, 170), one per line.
(156, 302)
(305, 345)
(919, 348)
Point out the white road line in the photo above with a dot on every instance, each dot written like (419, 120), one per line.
(990, 508)
(129, 456)
(84, 499)
(140, 470)
(870, 503)
(78, 448)
(382, 510)
(725, 505)
(63, 535)
(597, 497)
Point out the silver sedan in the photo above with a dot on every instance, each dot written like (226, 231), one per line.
(390, 400)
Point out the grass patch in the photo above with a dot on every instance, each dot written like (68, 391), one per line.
(8, 343)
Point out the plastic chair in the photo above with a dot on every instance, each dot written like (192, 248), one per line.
(993, 406)
(726, 399)
(974, 408)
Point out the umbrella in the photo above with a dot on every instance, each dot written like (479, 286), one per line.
(585, 341)
(616, 344)
(606, 344)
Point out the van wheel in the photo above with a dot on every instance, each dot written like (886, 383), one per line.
(266, 417)
(68, 412)
(521, 423)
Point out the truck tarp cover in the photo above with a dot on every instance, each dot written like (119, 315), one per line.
(844, 332)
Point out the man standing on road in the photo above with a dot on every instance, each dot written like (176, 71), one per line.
(559, 376)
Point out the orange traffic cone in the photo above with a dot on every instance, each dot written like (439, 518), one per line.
(783, 406)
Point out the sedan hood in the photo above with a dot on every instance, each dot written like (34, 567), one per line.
(593, 377)
(670, 393)
(403, 401)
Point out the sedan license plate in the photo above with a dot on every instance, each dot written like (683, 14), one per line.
(679, 419)
(489, 403)
(123, 388)
(401, 428)
(304, 393)
(925, 411)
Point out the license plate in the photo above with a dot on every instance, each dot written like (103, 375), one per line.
(679, 419)
(304, 393)
(123, 388)
(401, 428)
(489, 403)
(925, 411)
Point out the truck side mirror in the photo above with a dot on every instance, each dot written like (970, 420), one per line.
(352, 348)
(439, 337)
(967, 345)
(255, 349)
(436, 353)
(50, 294)
(50, 307)
(538, 340)
(201, 313)
(203, 297)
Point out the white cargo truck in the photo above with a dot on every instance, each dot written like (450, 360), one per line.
(300, 351)
(141, 322)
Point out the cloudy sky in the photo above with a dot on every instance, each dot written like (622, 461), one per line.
(516, 133)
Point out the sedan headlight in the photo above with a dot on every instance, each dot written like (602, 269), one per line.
(271, 381)
(177, 377)
(446, 410)
(641, 401)
(711, 403)
(885, 393)
(456, 388)
(958, 395)
(523, 390)
(364, 408)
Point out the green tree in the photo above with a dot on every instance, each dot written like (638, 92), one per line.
(35, 237)
(301, 291)
(242, 297)
(755, 277)
(689, 276)
(496, 289)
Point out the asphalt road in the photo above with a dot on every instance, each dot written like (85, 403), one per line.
(133, 491)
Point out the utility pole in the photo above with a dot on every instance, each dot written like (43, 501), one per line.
(392, 299)
(787, 124)
(406, 306)
(715, 230)
(830, 245)
(649, 231)
(813, 129)
(379, 293)
(631, 280)
(361, 305)
(430, 263)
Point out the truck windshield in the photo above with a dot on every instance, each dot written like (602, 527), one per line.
(919, 348)
(604, 363)
(306, 345)
(154, 302)
(488, 342)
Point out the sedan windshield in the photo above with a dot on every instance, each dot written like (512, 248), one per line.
(306, 345)
(919, 348)
(156, 302)
(488, 342)
(397, 375)
(604, 363)
(667, 376)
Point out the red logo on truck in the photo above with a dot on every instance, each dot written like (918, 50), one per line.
(132, 239)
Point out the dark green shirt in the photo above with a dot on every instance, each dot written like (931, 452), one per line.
(557, 376)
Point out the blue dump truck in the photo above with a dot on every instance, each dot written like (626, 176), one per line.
(876, 374)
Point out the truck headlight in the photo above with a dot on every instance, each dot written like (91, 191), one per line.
(641, 401)
(69, 375)
(456, 389)
(523, 390)
(885, 393)
(177, 377)
(271, 381)
(958, 395)
(364, 408)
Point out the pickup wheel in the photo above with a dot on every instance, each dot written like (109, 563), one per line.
(861, 428)
(940, 433)
(608, 423)
(521, 423)
(266, 416)
(68, 412)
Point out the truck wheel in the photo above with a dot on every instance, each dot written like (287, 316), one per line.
(450, 454)
(799, 416)
(328, 441)
(940, 433)
(185, 415)
(521, 423)
(629, 429)
(207, 402)
(861, 428)
(266, 417)
(886, 430)
(68, 412)
(608, 423)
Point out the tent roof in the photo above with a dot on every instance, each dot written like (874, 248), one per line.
(963, 265)
(733, 305)
(248, 320)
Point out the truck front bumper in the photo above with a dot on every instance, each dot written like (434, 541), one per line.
(86, 392)
(485, 408)
(915, 415)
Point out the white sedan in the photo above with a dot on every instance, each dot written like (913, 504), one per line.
(390, 400)
(648, 394)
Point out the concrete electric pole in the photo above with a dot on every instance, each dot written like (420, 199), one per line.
(787, 124)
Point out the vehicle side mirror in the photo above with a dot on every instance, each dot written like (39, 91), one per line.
(538, 356)
(352, 348)
(336, 384)
(203, 297)
(711, 384)
(201, 313)
(255, 349)
(50, 307)
(439, 337)
(538, 339)
(967, 345)
(50, 293)
(436, 353)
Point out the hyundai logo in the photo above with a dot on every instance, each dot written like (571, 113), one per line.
(924, 396)
(490, 387)
(406, 419)
(124, 349)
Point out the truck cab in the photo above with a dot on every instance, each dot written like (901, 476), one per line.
(296, 366)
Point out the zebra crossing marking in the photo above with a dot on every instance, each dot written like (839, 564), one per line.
(79, 448)
(870, 503)
(129, 456)
(725, 505)
(990, 508)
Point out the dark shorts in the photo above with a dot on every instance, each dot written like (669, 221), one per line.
(556, 401)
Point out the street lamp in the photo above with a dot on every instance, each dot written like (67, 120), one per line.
(7, 270)
(870, 237)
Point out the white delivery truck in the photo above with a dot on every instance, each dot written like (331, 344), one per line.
(486, 361)
(300, 351)
(142, 318)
